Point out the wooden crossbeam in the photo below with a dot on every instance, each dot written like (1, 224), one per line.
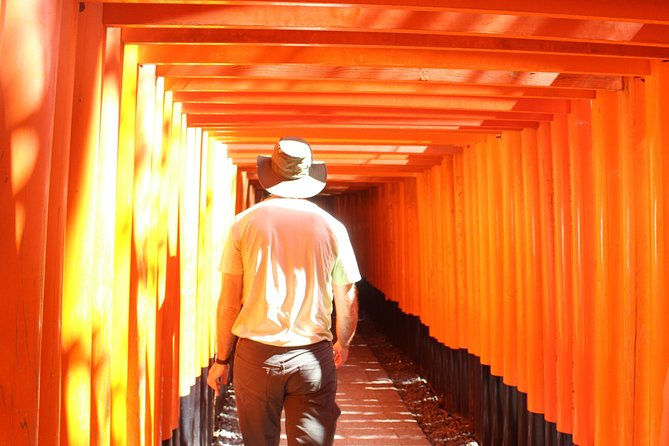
(391, 57)
(412, 14)
(561, 38)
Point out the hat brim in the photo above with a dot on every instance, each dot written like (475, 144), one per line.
(305, 187)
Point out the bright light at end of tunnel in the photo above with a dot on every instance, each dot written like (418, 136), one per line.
(222, 148)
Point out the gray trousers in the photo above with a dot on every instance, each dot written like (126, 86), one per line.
(302, 380)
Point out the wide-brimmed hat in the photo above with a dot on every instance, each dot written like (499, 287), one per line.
(291, 171)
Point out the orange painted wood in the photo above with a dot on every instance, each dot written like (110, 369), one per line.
(507, 292)
(494, 329)
(295, 71)
(144, 218)
(449, 250)
(472, 19)
(636, 199)
(532, 278)
(479, 103)
(49, 412)
(28, 104)
(122, 425)
(412, 222)
(542, 35)
(84, 313)
(399, 57)
(518, 328)
(546, 256)
(654, 319)
(471, 234)
(484, 247)
(189, 362)
(562, 236)
(583, 269)
(613, 415)
(297, 83)
(105, 193)
(460, 222)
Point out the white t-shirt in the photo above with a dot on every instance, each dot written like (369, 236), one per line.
(290, 252)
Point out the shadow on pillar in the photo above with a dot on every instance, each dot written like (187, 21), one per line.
(498, 412)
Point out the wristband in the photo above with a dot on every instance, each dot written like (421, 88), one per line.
(225, 361)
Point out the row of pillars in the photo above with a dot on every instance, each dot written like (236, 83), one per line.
(544, 252)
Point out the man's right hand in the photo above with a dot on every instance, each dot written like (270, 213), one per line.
(340, 354)
(218, 374)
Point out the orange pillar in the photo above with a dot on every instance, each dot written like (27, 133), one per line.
(562, 261)
(29, 50)
(50, 364)
(123, 423)
(654, 315)
(583, 269)
(613, 324)
(80, 381)
(532, 278)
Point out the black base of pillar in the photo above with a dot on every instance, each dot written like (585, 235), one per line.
(498, 412)
(196, 416)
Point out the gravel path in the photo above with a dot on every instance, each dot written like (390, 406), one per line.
(441, 427)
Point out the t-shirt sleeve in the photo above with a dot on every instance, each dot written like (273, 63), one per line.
(231, 259)
(345, 269)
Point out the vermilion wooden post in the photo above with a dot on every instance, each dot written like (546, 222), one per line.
(81, 313)
(518, 327)
(423, 301)
(583, 249)
(122, 423)
(532, 278)
(449, 251)
(177, 150)
(161, 186)
(105, 194)
(482, 248)
(612, 421)
(636, 250)
(563, 271)
(411, 228)
(495, 318)
(50, 365)
(428, 261)
(460, 244)
(29, 49)
(507, 294)
(143, 324)
(655, 319)
(546, 228)
(471, 233)
(188, 237)
(400, 234)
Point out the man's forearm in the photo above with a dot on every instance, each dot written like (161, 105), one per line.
(227, 310)
(224, 338)
(347, 314)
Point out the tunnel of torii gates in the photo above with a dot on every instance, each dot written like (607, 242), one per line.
(501, 167)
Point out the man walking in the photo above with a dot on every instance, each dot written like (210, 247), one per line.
(284, 264)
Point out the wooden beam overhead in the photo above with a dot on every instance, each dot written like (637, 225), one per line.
(653, 43)
(643, 11)
(391, 57)
(366, 14)
(384, 89)
(459, 76)
(302, 86)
